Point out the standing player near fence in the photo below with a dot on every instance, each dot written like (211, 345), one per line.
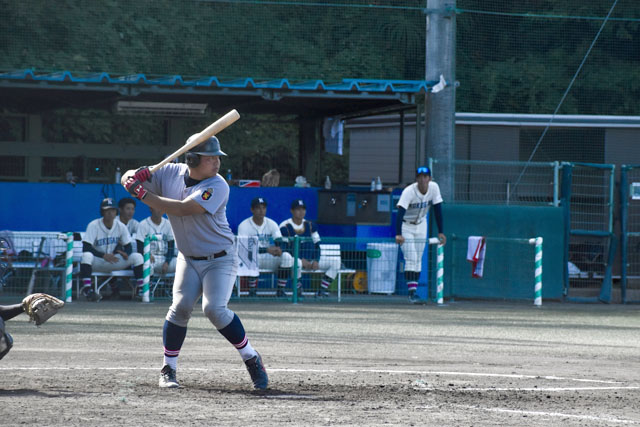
(411, 224)
(195, 196)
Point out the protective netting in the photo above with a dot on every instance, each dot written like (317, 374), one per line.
(274, 39)
(511, 57)
(519, 57)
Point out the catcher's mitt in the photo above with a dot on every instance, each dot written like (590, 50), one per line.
(41, 307)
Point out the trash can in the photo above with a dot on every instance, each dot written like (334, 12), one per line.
(381, 267)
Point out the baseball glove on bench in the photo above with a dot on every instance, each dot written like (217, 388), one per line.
(41, 307)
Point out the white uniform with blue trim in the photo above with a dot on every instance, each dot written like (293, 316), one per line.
(157, 247)
(105, 240)
(267, 233)
(414, 226)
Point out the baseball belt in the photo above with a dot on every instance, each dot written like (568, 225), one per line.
(208, 258)
(416, 222)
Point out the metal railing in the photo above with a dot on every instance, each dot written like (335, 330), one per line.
(504, 183)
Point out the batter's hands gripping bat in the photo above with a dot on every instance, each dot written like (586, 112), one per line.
(215, 127)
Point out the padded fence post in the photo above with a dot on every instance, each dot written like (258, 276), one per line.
(68, 281)
(537, 299)
(439, 269)
(146, 273)
(440, 274)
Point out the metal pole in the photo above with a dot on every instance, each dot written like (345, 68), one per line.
(401, 147)
(440, 106)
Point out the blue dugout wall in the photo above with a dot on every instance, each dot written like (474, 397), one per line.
(62, 207)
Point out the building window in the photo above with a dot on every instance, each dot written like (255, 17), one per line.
(12, 166)
(12, 128)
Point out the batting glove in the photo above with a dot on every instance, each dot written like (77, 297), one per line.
(135, 188)
(142, 174)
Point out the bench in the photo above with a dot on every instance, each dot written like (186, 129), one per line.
(326, 251)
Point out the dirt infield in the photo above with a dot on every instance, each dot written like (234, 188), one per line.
(329, 364)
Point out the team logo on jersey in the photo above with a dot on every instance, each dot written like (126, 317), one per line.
(207, 194)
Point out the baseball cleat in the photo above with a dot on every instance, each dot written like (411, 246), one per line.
(323, 293)
(168, 378)
(415, 299)
(257, 372)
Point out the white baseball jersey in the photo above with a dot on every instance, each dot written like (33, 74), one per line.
(162, 231)
(267, 232)
(300, 229)
(132, 225)
(417, 204)
(104, 239)
(201, 234)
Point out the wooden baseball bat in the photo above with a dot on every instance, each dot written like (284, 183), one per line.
(211, 130)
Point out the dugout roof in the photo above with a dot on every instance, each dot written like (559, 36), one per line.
(33, 92)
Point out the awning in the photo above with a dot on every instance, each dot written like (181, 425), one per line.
(31, 91)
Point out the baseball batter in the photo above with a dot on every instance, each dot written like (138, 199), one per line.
(411, 224)
(106, 247)
(162, 246)
(270, 254)
(195, 196)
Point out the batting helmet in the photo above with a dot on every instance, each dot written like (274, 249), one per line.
(211, 147)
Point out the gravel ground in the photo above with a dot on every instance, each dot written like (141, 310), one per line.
(468, 363)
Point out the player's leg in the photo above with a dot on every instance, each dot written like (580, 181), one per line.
(172, 265)
(412, 250)
(134, 260)
(187, 288)
(284, 272)
(331, 265)
(218, 279)
(6, 342)
(411, 274)
(266, 261)
(86, 268)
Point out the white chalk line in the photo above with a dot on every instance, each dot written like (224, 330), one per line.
(545, 389)
(550, 389)
(336, 371)
(608, 419)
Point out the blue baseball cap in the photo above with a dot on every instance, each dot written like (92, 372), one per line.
(423, 170)
(107, 203)
(298, 203)
(257, 201)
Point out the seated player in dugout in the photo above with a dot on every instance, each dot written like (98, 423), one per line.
(411, 224)
(127, 208)
(100, 249)
(309, 251)
(162, 244)
(270, 254)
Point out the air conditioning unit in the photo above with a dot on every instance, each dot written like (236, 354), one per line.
(160, 108)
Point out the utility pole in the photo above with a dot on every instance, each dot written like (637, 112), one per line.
(440, 106)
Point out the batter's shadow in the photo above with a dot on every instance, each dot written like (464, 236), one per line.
(270, 393)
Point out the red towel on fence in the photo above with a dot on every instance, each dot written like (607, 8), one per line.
(476, 249)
